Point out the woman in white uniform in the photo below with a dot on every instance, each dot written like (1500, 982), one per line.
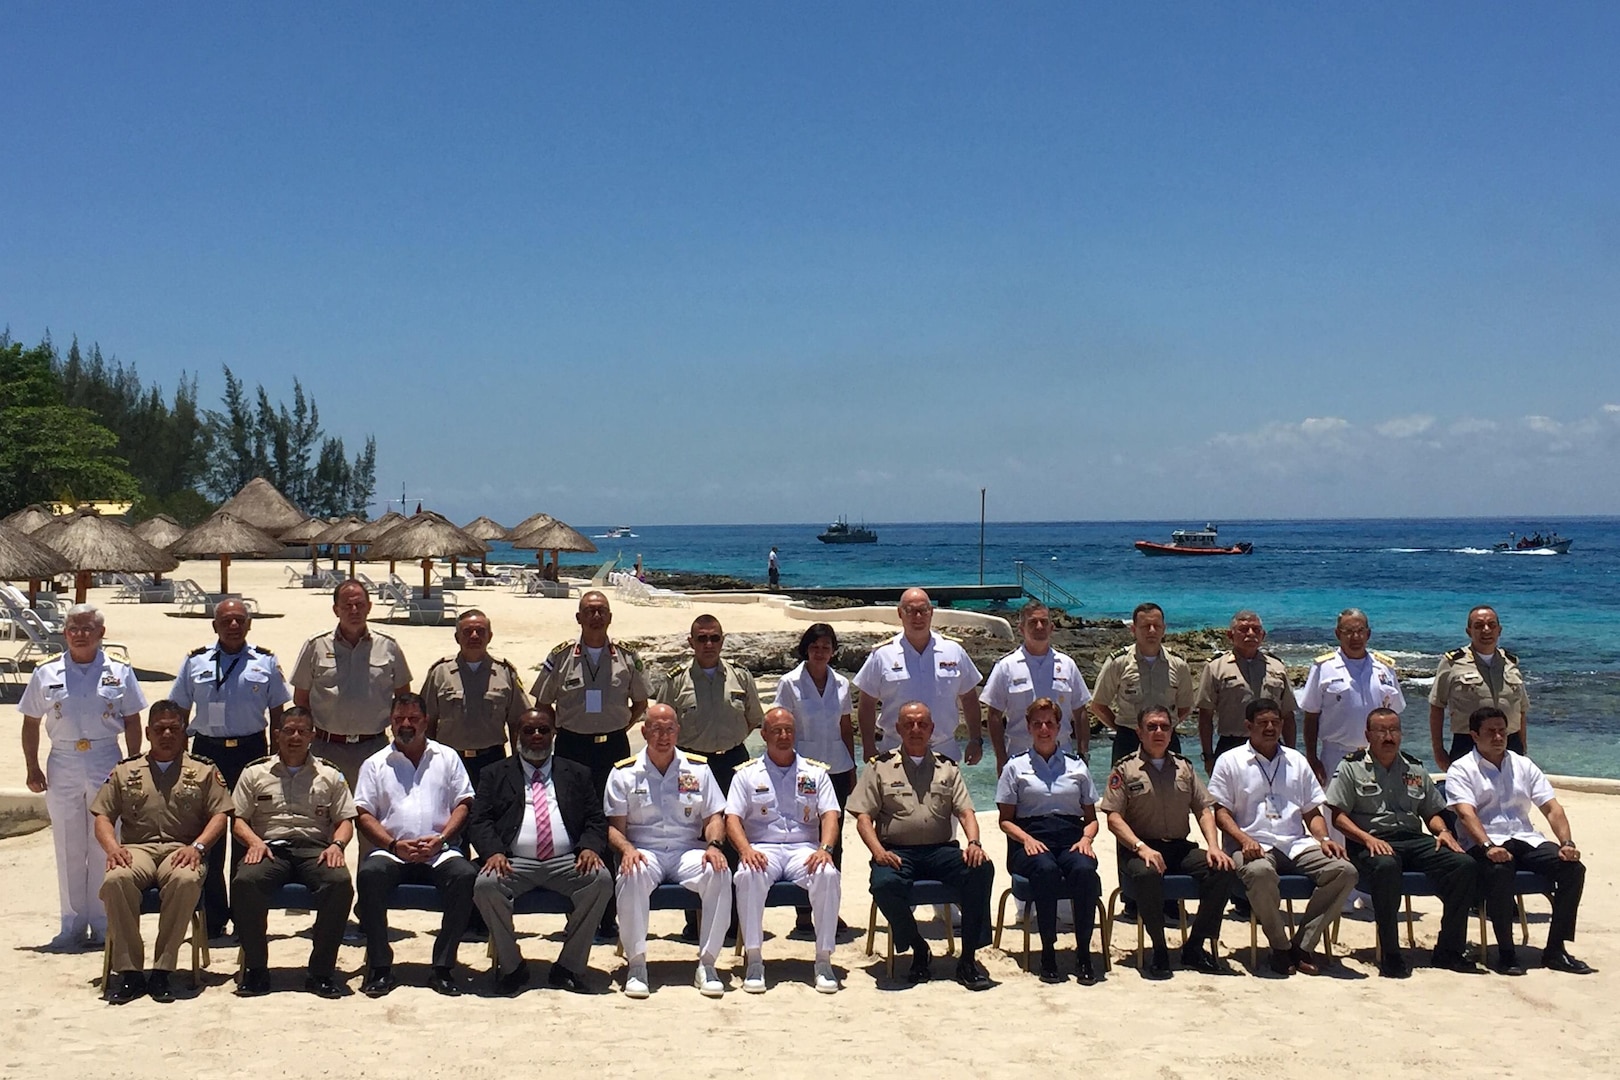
(824, 729)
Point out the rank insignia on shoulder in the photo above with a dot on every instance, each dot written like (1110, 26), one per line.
(625, 763)
(1119, 652)
(1383, 658)
(1357, 755)
(700, 759)
(1325, 657)
(132, 757)
(199, 650)
(1511, 658)
(675, 671)
(258, 761)
(1411, 759)
(1456, 654)
(818, 764)
(262, 651)
(199, 758)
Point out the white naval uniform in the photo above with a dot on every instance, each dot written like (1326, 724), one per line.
(780, 807)
(1019, 678)
(816, 716)
(895, 673)
(1332, 690)
(664, 815)
(83, 708)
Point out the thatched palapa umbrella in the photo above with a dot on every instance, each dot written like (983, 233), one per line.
(554, 536)
(28, 519)
(485, 529)
(160, 532)
(92, 543)
(262, 506)
(426, 536)
(338, 533)
(371, 530)
(21, 556)
(225, 535)
(304, 533)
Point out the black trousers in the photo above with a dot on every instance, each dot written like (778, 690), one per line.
(255, 883)
(1496, 888)
(1180, 857)
(1127, 742)
(454, 878)
(723, 764)
(599, 757)
(1455, 877)
(1057, 874)
(891, 889)
(481, 760)
(1463, 744)
(231, 760)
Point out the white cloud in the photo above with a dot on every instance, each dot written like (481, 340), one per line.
(1405, 427)
(1612, 410)
(1544, 424)
(1469, 425)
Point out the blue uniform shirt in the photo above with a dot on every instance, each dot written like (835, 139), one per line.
(232, 694)
(1036, 786)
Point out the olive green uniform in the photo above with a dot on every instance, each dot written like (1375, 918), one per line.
(716, 713)
(1127, 683)
(158, 812)
(596, 702)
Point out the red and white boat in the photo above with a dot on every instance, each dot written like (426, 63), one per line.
(1193, 542)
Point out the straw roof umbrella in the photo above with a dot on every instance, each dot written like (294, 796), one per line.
(338, 533)
(483, 528)
(303, 534)
(92, 543)
(426, 536)
(28, 519)
(262, 506)
(225, 535)
(160, 531)
(371, 530)
(21, 556)
(554, 536)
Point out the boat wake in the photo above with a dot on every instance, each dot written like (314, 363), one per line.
(1496, 551)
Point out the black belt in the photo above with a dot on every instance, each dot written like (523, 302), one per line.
(469, 754)
(349, 740)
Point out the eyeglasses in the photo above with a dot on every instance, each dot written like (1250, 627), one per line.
(1043, 721)
(708, 639)
(80, 629)
(1162, 728)
(533, 730)
(916, 609)
(475, 631)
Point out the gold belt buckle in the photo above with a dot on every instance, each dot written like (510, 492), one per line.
(469, 753)
(82, 745)
(230, 743)
(599, 739)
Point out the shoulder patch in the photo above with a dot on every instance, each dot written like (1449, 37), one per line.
(1115, 780)
(1511, 658)
(696, 759)
(1325, 657)
(198, 651)
(1456, 654)
(1384, 658)
(1410, 760)
(625, 763)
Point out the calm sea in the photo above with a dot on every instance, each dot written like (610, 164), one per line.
(1416, 579)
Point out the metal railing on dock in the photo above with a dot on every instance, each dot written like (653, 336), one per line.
(1042, 588)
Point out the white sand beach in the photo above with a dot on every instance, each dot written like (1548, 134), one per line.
(1348, 1022)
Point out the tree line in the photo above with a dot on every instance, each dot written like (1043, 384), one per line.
(81, 427)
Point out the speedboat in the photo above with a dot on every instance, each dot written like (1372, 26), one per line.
(619, 532)
(841, 532)
(1558, 545)
(1193, 542)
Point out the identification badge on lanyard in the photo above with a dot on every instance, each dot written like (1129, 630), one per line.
(593, 701)
(1274, 807)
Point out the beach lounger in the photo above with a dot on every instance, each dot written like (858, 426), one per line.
(188, 594)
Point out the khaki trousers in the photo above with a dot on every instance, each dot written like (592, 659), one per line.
(121, 893)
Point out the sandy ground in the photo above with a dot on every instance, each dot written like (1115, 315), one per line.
(1241, 1026)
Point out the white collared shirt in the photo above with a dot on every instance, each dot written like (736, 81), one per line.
(895, 673)
(1033, 785)
(528, 838)
(1268, 799)
(1342, 703)
(412, 801)
(1019, 678)
(1502, 798)
(816, 716)
(82, 701)
(781, 804)
(666, 810)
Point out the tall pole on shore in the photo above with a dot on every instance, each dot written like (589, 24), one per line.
(981, 536)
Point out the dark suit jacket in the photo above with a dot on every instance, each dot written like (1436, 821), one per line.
(503, 799)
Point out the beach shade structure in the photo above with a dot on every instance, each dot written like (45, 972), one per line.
(225, 535)
(304, 533)
(160, 532)
(262, 506)
(486, 529)
(371, 530)
(28, 519)
(555, 537)
(338, 533)
(426, 536)
(92, 544)
(21, 556)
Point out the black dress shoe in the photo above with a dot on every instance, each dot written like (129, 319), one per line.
(443, 981)
(563, 979)
(689, 930)
(1451, 961)
(1562, 961)
(513, 981)
(919, 972)
(125, 987)
(255, 983)
(1197, 958)
(1507, 962)
(972, 975)
(1158, 964)
(158, 988)
(323, 986)
(1049, 967)
(379, 981)
(804, 927)
(1394, 966)
(1083, 970)
(1281, 963)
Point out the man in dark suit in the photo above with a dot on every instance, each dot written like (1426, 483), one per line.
(537, 820)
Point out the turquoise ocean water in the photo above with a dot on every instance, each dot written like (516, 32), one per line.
(1416, 579)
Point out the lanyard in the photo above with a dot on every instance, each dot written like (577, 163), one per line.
(1260, 762)
(585, 658)
(221, 677)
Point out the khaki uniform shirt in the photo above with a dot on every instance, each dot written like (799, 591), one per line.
(351, 687)
(1157, 803)
(278, 804)
(717, 711)
(1225, 690)
(911, 804)
(474, 708)
(591, 700)
(1383, 801)
(1127, 684)
(1460, 688)
(162, 806)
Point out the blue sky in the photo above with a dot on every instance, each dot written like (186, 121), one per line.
(708, 263)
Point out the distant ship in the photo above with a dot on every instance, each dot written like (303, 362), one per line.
(618, 533)
(841, 532)
(1558, 545)
(1193, 542)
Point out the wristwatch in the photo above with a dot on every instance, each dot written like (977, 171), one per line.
(975, 843)
(717, 843)
(1139, 845)
(827, 848)
(202, 848)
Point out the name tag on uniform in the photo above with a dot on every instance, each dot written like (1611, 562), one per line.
(1137, 787)
(265, 798)
(573, 684)
(110, 679)
(593, 701)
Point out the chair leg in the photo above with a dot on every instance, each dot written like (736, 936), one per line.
(1001, 914)
(1028, 914)
(1141, 939)
(1411, 939)
(1107, 927)
(1103, 923)
(1181, 920)
(950, 932)
(1254, 940)
(106, 960)
(1524, 922)
(871, 928)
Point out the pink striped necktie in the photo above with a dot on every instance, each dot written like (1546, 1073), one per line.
(543, 847)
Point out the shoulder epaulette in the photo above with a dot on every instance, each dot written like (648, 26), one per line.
(696, 759)
(1175, 754)
(885, 756)
(201, 760)
(1271, 655)
(1410, 760)
(441, 661)
(941, 759)
(626, 763)
(199, 650)
(1456, 654)
(675, 671)
(1325, 657)
(1385, 659)
(261, 650)
(1117, 653)
(507, 664)
(561, 648)
(1357, 755)
(264, 761)
(1511, 658)
(132, 757)
(1168, 651)
(812, 761)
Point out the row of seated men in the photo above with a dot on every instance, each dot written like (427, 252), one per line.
(537, 824)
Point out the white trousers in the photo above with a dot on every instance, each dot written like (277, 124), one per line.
(686, 868)
(73, 777)
(786, 861)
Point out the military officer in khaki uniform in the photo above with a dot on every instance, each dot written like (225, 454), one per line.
(473, 699)
(294, 816)
(172, 808)
(1136, 676)
(716, 701)
(1235, 678)
(903, 813)
(1151, 796)
(598, 691)
(348, 678)
(1472, 677)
